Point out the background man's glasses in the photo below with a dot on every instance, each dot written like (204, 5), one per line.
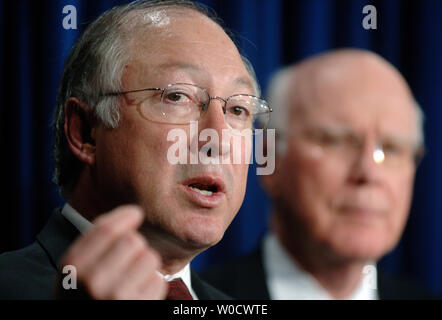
(181, 103)
(347, 147)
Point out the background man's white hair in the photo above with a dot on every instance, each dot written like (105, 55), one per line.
(278, 95)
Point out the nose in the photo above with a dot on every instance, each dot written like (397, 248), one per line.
(213, 116)
(367, 165)
(211, 123)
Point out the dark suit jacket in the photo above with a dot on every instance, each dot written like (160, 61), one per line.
(30, 273)
(245, 279)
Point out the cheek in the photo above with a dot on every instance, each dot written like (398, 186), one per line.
(313, 178)
(239, 156)
(239, 184)
(136, 151)
(149, 145)
(309, 185)
(402, 190)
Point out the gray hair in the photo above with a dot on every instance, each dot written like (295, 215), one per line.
(277, 96)
(278, 93)
(95, 66)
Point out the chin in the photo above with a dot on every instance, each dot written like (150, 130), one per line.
(365, 247)
(362, 253)
(200, 239)
(202, 232)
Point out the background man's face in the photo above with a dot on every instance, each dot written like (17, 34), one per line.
(344, 200)
(132, 159)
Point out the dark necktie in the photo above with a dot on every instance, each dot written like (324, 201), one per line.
(178, 291)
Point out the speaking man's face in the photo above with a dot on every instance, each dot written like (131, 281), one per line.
(186, 204)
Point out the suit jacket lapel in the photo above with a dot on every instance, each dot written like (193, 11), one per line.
(57, 235)
(254, 281)
(205, 291)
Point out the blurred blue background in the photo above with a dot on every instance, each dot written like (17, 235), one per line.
(272, 34)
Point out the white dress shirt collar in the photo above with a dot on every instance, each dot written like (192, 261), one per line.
(79, 222)
(83, 225)
(184, 274)
(287, 281)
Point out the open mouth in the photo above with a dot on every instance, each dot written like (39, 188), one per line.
(204, 189)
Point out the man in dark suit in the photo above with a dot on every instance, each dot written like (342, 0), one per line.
(134, 217)
(349, 137)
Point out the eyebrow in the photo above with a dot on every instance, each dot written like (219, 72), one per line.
(239, 81)
(244, 81)
(343, 130)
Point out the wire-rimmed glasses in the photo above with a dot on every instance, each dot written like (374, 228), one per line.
(180, 103)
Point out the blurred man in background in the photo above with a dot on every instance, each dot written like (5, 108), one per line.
(349, 138)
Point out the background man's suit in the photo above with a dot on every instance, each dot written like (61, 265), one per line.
(245, 279)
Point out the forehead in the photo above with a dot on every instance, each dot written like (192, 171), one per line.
(360, 100)
(190, 47)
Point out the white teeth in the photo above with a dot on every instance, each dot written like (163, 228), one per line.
(203, 192)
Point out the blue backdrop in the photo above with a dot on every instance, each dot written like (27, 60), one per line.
(271, 33)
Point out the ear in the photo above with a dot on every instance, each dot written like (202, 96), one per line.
(79, 130)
